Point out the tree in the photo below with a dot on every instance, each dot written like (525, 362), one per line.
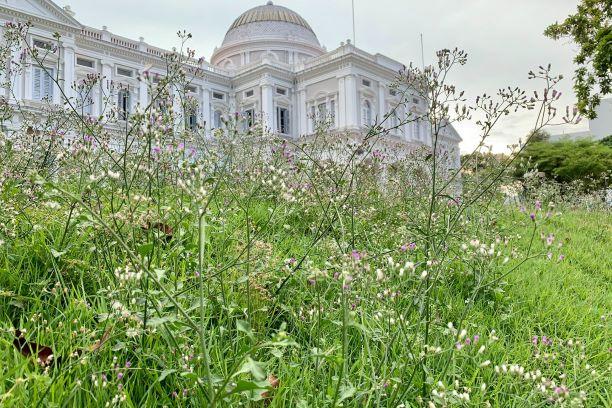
(590, 28)
(567, 160)
(539, 135)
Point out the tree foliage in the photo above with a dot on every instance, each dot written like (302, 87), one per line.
(590, 28)
(568, 160)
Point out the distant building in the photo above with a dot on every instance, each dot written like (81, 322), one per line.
(270, 65)
(599, 127)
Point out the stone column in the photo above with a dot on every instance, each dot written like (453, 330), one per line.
(352, 106)
(106, 98)
(177, 109)
(69, 67)
(341, 103)
(205, 103)
(382, 105)
(16, 77)
(143, 91)
(267, 104)
(302, 112)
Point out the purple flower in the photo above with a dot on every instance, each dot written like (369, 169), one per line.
(538, 205)
(561, 257)
(119, 376)
(476, 338)
(412, 246)
(356, 255)
(532, 216)
(128, 364)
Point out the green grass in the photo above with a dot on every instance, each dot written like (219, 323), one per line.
(563, 300)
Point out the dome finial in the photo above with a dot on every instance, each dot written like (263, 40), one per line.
(269, 3)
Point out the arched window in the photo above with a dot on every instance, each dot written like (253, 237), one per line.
(366, 113)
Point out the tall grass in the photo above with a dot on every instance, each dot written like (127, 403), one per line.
(163, 266)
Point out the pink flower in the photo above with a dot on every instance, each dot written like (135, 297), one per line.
(356, 255)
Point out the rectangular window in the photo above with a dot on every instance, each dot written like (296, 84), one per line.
(366, 82)
(218, 95)
(282, 120)
(248, 93)
(85, 62)
(415, 101)
(191, 89)
(123, 104)
(249, 115)
(281, 91)
(191, 121)
(125, 72)
(321, 112)
(392, 92)
(217, 122)
(44, 45)
(85, 102)
(42, 83)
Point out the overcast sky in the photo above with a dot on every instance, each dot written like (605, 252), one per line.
(503, 38)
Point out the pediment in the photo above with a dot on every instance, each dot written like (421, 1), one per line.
(44, 9)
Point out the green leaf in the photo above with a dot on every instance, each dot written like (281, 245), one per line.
(145, 250)
(242, 386)
(253, 367)
(57, 254)
(245, 327)
(157, 321)
(165, 373)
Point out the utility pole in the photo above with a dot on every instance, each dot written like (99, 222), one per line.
(353, 4)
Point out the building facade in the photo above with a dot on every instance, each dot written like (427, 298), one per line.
(270, 65)
(599, 128)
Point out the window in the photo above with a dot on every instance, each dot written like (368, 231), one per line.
(281, 91)
(217, 122)
(415, 101)
(45, 45)
(125, 72)
(42, 83)
(248, 93)
(123, 104)
(321, 112)
(366, 113)
(313, 117)
(366, 82)
(282, 120)
(392, 92)
(191, 121)
(85, 62)
(218, 95)
(249, 115)
(191, 89)
(84, 101)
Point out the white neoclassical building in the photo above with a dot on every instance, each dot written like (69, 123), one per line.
(269, 65)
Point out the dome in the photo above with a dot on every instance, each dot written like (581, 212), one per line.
(265, 28)
(270, 12)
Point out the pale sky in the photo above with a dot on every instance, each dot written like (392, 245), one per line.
(503, 38)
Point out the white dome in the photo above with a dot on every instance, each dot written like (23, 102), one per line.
(266, 29)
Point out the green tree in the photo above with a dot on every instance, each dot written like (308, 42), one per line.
(590, 28)
(568, 160)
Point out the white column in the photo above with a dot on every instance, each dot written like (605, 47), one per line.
(267, 104)
(382, 108)
(205, 102)
(143, 91)
(177, 109)
(16, 77)
(302, 112)
(69, 67)
(352, 119)
(341, 103)
(106, 98)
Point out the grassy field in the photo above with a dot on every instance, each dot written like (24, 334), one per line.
(550, 317)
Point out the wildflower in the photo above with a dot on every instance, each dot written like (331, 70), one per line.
(561, 257)
(538, 205)
(532, 216)
(356, 255)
